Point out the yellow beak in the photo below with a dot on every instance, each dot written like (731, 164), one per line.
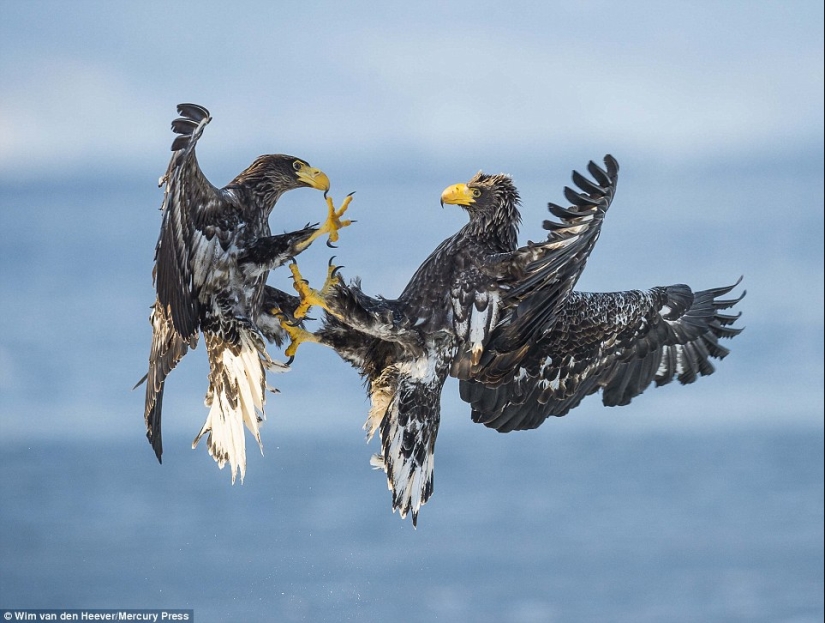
(457, 194)
(314, 178)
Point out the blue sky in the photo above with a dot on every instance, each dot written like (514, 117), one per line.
(714, 110)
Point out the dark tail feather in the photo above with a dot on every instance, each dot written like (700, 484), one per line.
(189, 125)
(153, 432)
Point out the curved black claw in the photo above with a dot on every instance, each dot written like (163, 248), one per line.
(330, 245)
(335, 269)
(303, 280)
(290, 360)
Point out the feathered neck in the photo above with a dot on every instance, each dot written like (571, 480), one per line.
(264, 181)
(500, 221)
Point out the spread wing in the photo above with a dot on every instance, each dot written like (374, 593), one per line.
(196, 217)
(618, 342)
(516, 307)
(191, 208)
(369, 332)
(504, 302)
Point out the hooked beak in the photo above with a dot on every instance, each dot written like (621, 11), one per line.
(457, 194)
(314, 178)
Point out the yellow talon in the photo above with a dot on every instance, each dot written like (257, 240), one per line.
(297, 335)
(334, 222)
(332, 279)
(309, 296)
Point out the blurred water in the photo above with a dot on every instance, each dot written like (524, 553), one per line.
(75, 274)
(549, 526)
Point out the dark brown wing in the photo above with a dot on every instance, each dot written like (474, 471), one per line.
(196, 217)
(168, 348)
(191, 207)
(404, 372)
(537, 279)
(618, 342)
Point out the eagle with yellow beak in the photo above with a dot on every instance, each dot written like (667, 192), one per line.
(212, 259)
(504, 319)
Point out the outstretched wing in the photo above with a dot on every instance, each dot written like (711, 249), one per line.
(537, 279)
(618, 342)
(368, 331)
(196, 217)
(191, 207)
(404, 375)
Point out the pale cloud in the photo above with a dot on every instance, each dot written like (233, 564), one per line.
(450, 90)
(435, 79)
(64, 113)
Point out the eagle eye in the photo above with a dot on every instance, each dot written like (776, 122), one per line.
(476, 193)
(297, 165)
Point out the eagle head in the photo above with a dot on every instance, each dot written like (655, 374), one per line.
(491, 200)
(271, 176)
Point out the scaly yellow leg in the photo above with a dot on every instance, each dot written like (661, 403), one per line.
(332, 224)
(310, 296)
(297, 335)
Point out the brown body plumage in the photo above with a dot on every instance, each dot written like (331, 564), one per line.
(212, 258)
(505, 321)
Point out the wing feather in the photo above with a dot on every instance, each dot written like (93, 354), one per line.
(182, 257)
(192, 211)
(168, 348)
(620, 343)
(546, 272)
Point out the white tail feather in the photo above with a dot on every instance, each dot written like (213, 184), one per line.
(236, 398)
